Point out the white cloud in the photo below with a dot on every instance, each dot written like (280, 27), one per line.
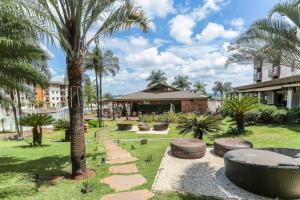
(213, 31)
(139, 41)
(181, 26)
(237, 23)
(156, 8)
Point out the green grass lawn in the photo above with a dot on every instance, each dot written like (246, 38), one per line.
(20, 164)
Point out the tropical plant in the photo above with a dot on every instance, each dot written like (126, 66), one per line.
(36, 120)
(199, 126)
(199, 88)
(239, 106)
(89, 93)
(156, 77)
(23, 61)
(64, 124)
(108, 96)
(103, 65)
(182, 82)
(72, 21)
(222, 88)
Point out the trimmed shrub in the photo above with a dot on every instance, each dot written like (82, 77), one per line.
(252, 117)
(294, 115)
(266, 112)
(280, 116)
(93, 123)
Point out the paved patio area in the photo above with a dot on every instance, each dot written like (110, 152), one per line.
(204, 176)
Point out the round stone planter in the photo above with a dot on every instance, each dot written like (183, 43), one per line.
(223, 145)
(160, 126)
(124, 126)
(188, 148)
(269, 172)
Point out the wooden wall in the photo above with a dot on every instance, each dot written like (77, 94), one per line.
(199, 106)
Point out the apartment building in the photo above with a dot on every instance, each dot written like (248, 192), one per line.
(274, 85)
(56, 95)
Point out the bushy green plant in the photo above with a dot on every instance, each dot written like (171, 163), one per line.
(266, 112)
(294, 115)
(252, 117)
(280, 116)
(225, 111)
(62, 124)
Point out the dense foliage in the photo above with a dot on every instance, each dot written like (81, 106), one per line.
(166, 117)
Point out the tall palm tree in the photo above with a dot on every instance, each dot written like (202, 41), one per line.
(103, 65)
(222, 88)
(199, 88)
(156, 77)
(239, 106)
(89, 93)
(72, 21)
(182, 82)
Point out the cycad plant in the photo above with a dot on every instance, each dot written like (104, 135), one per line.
(36, 120)
(199, 126)
(239, 106)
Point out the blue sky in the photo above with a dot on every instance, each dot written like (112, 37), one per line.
(186, 37)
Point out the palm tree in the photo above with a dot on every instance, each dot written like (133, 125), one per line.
(222, 88)
(72, 21)
(36, 120)
(156, 77)
(89, 93)
(200, 88)
(239, 106)
(103, 65)
(199, 125)
(182, 82)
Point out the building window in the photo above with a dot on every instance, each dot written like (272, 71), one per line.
(57, 98)
(56, 92)
(52, 98)
(53, 104)
(52, 92)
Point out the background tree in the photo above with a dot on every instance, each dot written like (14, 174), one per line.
(103, 65)
(156, 77)
(36, 120)
(89, 93)
(182, 82)
(199, 88)
(108, 96)
(222, 88)
(199, 126)
(239, 106)
(72, 21)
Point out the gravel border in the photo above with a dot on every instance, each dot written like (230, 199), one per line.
(200, 177)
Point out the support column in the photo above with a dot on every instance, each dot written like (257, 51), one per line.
(240, 95)
(289, 98)
(270, 98)
(259, 97)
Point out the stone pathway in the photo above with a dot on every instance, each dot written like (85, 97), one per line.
(125, 176)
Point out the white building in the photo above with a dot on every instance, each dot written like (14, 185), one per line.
(278, 85)
(56, 95)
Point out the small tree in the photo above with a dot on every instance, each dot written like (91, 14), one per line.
(238, 106)
(64, 124)
(36, 120)
(199, 126)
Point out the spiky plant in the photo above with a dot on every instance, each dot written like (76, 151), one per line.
(199, 126)
(239, 106)
(36, 120)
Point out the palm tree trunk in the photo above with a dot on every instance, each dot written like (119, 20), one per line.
(101, 75)
(222, 95)
(75, 96)
(15, 113)
(35, 136)
(2, 122)
(240, 123)
(20, 112)
(97, 97)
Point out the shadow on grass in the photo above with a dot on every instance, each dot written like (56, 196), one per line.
(33, 147)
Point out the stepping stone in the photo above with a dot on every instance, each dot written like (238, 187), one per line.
(124, 182)
(134, 195)
(122, 160)
(123, 169)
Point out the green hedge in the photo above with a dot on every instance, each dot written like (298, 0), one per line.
(167, 117)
